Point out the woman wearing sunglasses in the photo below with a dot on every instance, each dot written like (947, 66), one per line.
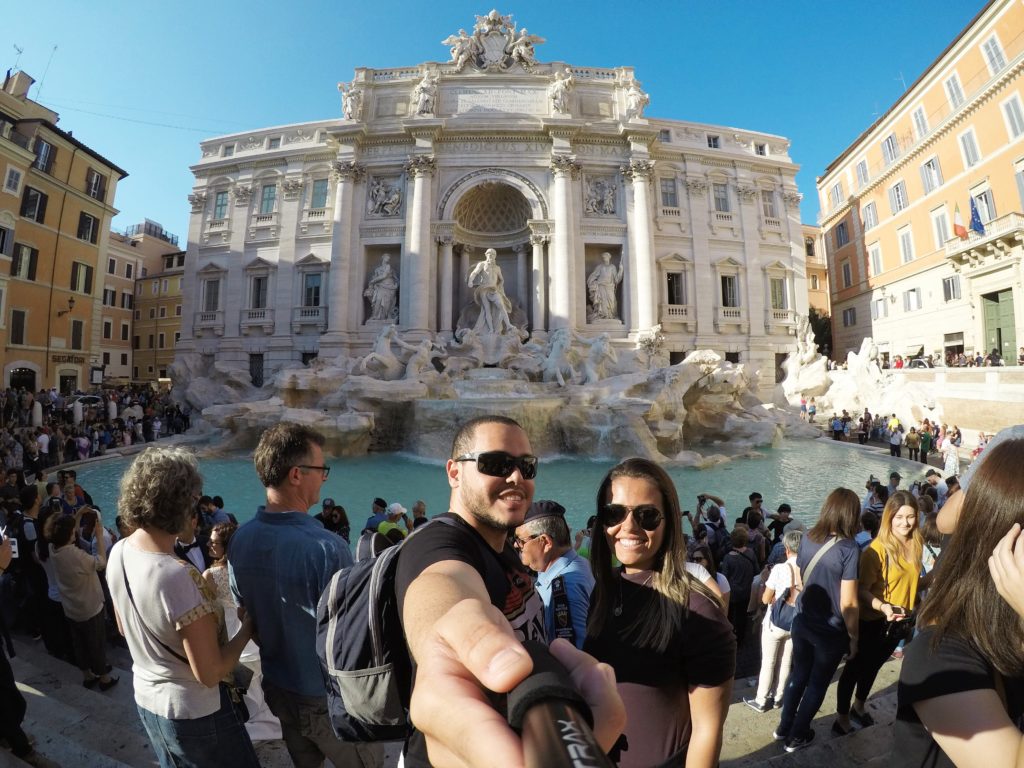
(659, 627)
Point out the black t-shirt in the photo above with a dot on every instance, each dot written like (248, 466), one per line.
(739, 568)
(955, 666)
(508, 583)
(777, 528)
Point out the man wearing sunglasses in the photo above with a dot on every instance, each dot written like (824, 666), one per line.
(467, 602)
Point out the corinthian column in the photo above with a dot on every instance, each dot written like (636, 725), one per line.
(641, 249)
(561, 308)
(446, 242)
(417, 262)
(346, 175)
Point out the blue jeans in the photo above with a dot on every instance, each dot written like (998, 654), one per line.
(816, 657)
(217, 739)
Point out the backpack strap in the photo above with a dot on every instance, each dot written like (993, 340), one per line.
(131, 597)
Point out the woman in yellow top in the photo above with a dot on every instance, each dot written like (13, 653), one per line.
(889, 570)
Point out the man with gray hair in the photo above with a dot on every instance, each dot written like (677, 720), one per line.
(564, 580)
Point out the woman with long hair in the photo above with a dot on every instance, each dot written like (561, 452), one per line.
(825, 627)
(659, 627)
(701, 555)
(961, 689)
(889, 571)
(172, 621)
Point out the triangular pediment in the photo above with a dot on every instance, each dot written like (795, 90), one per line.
(310, 260)
(211, 269)
(674, 258)
(259, 263)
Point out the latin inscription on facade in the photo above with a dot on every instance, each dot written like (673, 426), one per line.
(482, 99)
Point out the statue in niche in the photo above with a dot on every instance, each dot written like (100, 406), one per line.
(425, 94)
(598, 351)
(558, 92)
(385, 199)
(601, 287)
(382, 290)
(464, 49)
(351, 100)
(636, 100)
(489, 294)
(521, 48)
(600, 197)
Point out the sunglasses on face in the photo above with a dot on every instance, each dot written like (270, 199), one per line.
(501, 464)
(647, 516)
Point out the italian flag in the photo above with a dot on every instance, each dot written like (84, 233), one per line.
(958, 224)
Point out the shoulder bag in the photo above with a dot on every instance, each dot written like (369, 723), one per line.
(784, 609)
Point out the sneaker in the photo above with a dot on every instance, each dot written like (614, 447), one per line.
(799, 742)
(777, 735)
(757, 706)
(864, 720)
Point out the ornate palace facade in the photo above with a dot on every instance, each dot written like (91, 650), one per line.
(306, 240)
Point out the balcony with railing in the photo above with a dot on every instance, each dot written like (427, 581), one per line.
(261, 318)
(1000, 237)
(731, 318)
(207, 323)
(309, 317)
(683, 315)
(779, 321)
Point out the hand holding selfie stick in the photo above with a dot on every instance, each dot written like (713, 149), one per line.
(553, 717)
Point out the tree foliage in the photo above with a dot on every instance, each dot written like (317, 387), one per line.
(821, 324)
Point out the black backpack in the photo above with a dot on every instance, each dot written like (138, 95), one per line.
(719, 541)
(363, 656)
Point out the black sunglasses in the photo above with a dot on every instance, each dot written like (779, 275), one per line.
(647, 516)
(501, 464)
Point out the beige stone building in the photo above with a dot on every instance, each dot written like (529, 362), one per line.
(953, 142)
(817, 270)
(56, 204)
(157, 318)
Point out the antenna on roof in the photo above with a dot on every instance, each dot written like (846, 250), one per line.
(42, 80)
(18, 58)
(900, 78)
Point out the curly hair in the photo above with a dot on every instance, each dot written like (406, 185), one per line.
(225, 531)
(159, 489)
(282, 447)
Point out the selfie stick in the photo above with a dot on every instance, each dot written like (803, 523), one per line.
(553, 718)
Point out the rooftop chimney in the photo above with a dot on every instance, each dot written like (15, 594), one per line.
(18, 84)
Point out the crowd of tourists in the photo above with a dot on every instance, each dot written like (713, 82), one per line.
(645, 607)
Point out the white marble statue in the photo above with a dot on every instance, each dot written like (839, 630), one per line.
(599, 351)
(489, 294)
(351, 100)
(384, 199)
(636, 100)
(558, 363)
(464, 49)
(558, 92)
(425, 94)
(521, 48)
(421, 360)
(382, 363)
(382, 291)
(601, 286)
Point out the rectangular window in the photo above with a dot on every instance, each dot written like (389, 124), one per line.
(12, 181)
(168, 262)
(258, 298)
(768, 204)
(106, 358)
(842, 234)
(319, 197)
(954, 91)
(969, 147)
(24, 262)
(714, 142)
(815, 283)
(220, 205)
(17, 326)
(311, 283)
(128, 271)
(95, 184)
(33, 205)
(721, 193)
(124, 331)
(669, 197)
(862, 173)
(951, 288)
(108, 329)
(163, 311)
(256, 370)
(890, 149)
(45, 154)
(676, 284)
(136, 342)
(6, 241)
(875, 256)
(870, 216)
(778, 293)
(160, 342)
(730, 291)
(898, 197)
(227, 150)
(109, 297)
(920, 122)
(211, 297)
(906, 245)
(127, 300)
(77, 332)
(177, 337)
(138, 314)
(152, 313)
(177, 310)
(912, 300)
(111, 267)
(847, 274)
(124, 358)
(268, 196)
(994, 54)
(986, 206)
(835, 195)
(149, 339)
(931, 174)
(809, 247)
(1014, 117)
(879, 308)
(940, 226)
(81, 277)
(164, 285)
(274, 142)
(849, 317)
(155, 285)
(761, 149)
(88, 227)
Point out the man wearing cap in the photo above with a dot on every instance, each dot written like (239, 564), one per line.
(564, 580)
(377, 516)
(396, 524)
(894, 482)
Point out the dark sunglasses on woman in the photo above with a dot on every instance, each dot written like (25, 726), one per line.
(647, 516)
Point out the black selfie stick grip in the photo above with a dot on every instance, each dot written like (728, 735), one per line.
(553, 717)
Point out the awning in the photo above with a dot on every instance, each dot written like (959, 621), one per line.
(953, 339)
(916, 350)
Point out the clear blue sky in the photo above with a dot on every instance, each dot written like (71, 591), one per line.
(143, 82)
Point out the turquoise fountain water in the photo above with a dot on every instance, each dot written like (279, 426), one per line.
(799, 472)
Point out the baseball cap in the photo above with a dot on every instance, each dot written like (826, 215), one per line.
(544, 508)
(329, 503)
(379, 502)
(396, 509)
(896, 475)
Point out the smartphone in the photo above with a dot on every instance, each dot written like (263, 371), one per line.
(899, 610)
(14, 542)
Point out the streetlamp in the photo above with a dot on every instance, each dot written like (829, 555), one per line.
(71, 306)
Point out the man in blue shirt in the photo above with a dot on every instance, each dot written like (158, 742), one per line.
(564, 579)
(280, 563)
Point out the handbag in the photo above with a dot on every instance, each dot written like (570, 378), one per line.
(236, 693)
(897, 631)
(784, 606)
